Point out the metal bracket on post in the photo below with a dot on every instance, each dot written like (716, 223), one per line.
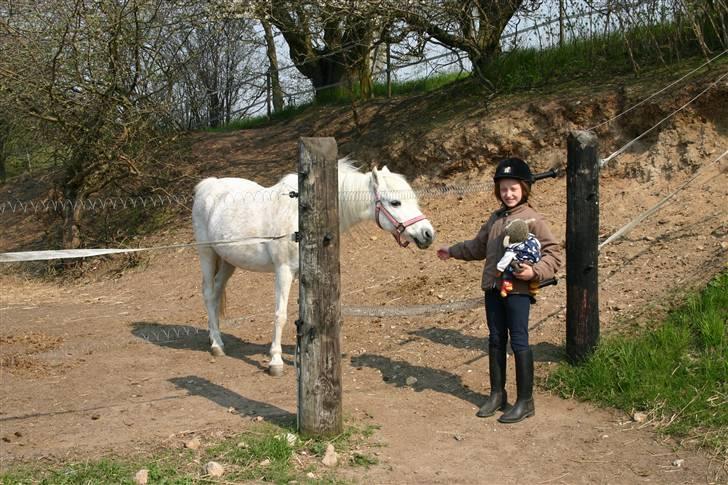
(548, 282)
(297, 358)
(299, 335)
(553, 173)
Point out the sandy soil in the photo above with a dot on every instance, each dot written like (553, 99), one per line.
(117, 362)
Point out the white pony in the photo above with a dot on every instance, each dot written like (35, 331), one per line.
(233, 209)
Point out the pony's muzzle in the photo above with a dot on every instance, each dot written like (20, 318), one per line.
(424, 236)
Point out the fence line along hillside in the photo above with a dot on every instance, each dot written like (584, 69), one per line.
(433, 191)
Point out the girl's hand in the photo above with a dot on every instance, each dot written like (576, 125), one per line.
(525, 273)
(443, 253)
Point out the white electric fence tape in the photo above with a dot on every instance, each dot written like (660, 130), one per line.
(25, 256)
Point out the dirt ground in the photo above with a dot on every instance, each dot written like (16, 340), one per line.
(118, 362)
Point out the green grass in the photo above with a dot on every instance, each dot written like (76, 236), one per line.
(263, 452)
(676, 373)
(341, 97)
(287, 113)
(599, 57)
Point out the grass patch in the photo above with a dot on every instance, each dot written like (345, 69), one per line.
(265, 452)
(418, 86)
(287, 113)
(677, 373)
(598, 57)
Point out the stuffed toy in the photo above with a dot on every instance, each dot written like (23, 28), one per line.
(521, 247)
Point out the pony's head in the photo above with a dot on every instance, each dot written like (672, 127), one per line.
(396, 210)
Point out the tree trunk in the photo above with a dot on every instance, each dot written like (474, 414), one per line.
(4, 135)
(214, 107)
(328, 67)
(72, 195)
(275, 83)
(71, 226)
(330, 78)
(562, 14)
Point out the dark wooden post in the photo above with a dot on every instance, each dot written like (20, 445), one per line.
(318, 329)
(582, 234)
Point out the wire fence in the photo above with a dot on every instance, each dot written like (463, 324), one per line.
(176, 333)
(171, 334)
(586, 22)
(261, 196)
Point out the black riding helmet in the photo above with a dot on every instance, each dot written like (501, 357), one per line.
(513, 168)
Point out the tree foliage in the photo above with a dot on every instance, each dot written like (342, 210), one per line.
(93, 80)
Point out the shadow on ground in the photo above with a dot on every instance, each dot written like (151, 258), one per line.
(227, 399)
(187, 337)
(398, 372)
(542, 351)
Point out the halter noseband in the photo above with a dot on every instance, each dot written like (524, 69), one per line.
(399, 227)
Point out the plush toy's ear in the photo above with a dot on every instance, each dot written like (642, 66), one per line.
(506, 241)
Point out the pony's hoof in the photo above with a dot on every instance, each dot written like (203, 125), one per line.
(275, 370)
(217, 351)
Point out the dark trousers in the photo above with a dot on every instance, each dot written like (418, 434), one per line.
(505, 316)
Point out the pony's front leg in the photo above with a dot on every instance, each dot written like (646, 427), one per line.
(284, 279)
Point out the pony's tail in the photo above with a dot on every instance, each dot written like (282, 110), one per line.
(221, 309)
(223, 304)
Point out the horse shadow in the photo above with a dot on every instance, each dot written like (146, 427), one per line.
(542, 351)
(397, 372)
(225, 398)
(187, 337)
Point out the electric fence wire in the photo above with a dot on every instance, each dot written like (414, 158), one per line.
(644, 215)
(176, 333)
(262, 196)
(173, 334)
(90, 204)
(47, 255)
(619, 115)
(621, 150)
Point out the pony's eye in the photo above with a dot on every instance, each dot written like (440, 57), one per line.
(395, 203)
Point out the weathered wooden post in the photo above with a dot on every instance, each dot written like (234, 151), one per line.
(318, 354)
(582, 234)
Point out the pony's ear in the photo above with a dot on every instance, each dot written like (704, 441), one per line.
(375, 177)
(385, 169)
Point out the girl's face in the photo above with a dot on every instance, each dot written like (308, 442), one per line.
(511, 192)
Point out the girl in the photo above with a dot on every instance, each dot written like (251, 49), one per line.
(509, 315)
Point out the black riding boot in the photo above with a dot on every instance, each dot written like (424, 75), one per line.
(524, 407)
(498, 398)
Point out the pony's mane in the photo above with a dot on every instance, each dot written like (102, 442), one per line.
(347, 165)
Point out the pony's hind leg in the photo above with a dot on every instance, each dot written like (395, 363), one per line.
(215, 274)
(284, 279)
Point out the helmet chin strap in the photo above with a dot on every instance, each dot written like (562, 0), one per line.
(399, 227)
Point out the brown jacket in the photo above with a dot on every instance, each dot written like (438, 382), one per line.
(488, 245)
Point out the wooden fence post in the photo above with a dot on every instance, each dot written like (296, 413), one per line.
(582, 239)
(318, 329)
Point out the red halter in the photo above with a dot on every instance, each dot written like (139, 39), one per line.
(399, 227)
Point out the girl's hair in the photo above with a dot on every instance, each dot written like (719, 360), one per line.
(525, 190)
